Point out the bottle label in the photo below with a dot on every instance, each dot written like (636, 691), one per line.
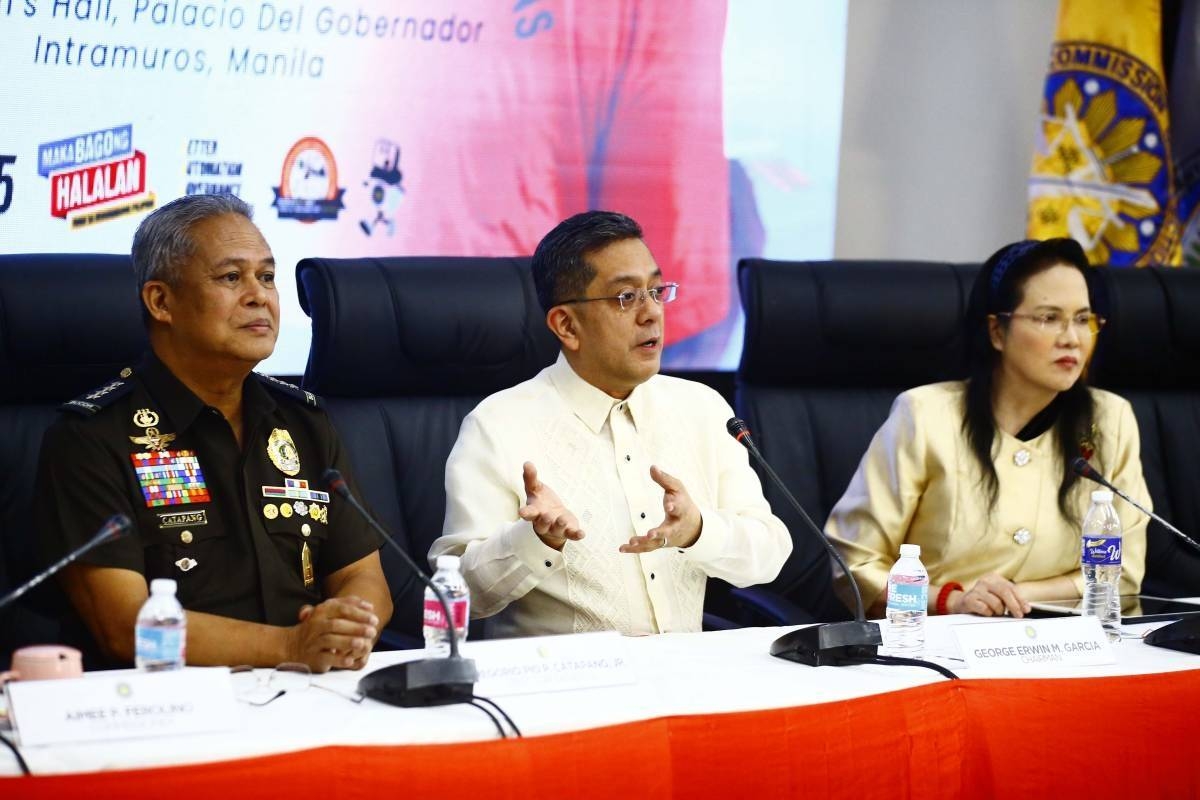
(160, 644)
(434, 617)
(1100, 551)
(908, 596)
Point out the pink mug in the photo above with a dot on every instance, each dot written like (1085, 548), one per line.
(44, 662)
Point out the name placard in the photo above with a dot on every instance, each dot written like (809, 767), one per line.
(1034, 644)
(123, 704)
(550, 664)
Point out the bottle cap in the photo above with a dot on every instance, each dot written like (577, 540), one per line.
(447, 562)
(1102, 496)
(910, 551)
(162, 586)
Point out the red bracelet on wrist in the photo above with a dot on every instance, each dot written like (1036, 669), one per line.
(944, 595)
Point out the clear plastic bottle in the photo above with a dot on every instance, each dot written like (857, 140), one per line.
(450, 580)
(1100, 559)
(907, 604)
(161, 632)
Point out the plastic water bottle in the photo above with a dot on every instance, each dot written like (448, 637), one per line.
(907, 603)
(450, 580)
(161, 632)
(1100, 558)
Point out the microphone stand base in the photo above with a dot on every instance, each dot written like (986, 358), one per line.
(832, 644)
(1182, 635)
(427, 682)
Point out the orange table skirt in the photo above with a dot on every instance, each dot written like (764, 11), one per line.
(1135, 736)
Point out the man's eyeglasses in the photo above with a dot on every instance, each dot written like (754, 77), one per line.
(261, 688)
(1085, 325)
(632, 298)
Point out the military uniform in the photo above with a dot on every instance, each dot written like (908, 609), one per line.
(247, 533)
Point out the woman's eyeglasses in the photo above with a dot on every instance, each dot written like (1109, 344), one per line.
(1085, 325)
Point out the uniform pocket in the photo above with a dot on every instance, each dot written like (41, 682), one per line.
(298, 539)
(189, 547)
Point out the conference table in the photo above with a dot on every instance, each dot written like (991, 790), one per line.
(687, 715)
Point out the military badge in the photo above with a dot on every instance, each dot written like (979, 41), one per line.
(185, 564)
(145, 418)
(285, 510)
(151, 439)
(282, 452)
(270, 511)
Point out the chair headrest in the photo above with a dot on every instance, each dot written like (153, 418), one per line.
(853, 323)
(1152, 340)
(422, 325)
(68, 322)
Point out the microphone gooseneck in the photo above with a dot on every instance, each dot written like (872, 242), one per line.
(337, 484)
(114, 528)
(425, 682)
(831, 643)
(739, 430)
(1081, 467)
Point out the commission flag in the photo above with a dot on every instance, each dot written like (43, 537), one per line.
(1102, 168)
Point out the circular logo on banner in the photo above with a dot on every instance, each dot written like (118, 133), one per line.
(1101, 171)
(308, 189)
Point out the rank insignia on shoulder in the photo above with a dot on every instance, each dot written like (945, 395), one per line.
(97, 399)
(290, 389)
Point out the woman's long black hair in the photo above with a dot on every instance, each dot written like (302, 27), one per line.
(1000, 288)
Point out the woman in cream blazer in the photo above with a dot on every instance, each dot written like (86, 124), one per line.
(976, 471)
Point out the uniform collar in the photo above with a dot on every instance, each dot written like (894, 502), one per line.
(182, 406)
(590, 404)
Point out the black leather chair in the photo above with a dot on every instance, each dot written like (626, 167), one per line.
(1150, 354)
(68, 323)
(830, 344)
(828, 347)
(402, 350)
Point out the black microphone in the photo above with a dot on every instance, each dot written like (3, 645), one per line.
(113, 529)
(830, 644)
(1083, 469)
(428, 681)
(1183, 634)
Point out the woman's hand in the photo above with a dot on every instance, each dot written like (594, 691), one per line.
(992, 595)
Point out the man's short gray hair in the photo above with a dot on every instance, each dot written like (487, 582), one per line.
(163, 242)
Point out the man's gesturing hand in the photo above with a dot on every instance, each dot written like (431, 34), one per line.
(339, 632)
(681, 525)
(551, 520)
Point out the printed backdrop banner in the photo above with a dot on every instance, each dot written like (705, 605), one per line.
(379, 127)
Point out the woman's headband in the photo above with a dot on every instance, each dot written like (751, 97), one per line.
(1015, 253)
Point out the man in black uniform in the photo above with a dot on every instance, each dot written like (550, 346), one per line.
(217, 466)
